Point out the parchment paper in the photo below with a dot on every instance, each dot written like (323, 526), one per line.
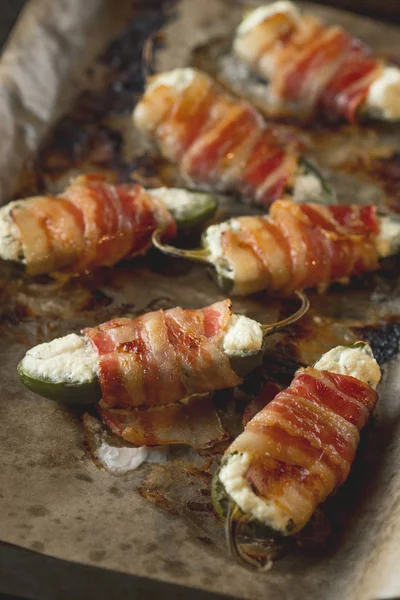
(157, 521)
(42, 70)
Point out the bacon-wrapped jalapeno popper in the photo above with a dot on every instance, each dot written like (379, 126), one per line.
(156, 359)
(296, 246)
(315, 68)
(223, 142)
(93, 223)
(298, 449)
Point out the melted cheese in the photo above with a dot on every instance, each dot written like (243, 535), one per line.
(383, 98)
(357, 362)
(70, 359)
(388, 239)
(243, 336)
(10, 240)
(262, 13)
(121, 459)
(307, 188)
(176, 199)
(212, 241)
(179, 79)
(182, 203)
(233, 476)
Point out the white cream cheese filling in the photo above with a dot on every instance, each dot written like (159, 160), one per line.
(10, 240)
(357, 362)
(179, 79)
(213, 243)
(121, 459)
(307, 188)
(383, 98)
(69, 359)
(233, 477)
(177, 200)
(262, 13)
(243, 336)
(388, 239)
(182, 203)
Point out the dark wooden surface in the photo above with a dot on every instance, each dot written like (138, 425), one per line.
(388, 10)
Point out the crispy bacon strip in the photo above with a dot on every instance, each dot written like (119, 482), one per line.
(195, 423)
(301, 246)
(304, 441)
(162, 357)
(217, 140)
(310, 65)
(91, 224)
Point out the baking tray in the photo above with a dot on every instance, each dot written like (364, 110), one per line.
(157, 522)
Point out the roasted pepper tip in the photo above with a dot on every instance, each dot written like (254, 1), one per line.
(61, 392)
(247, 363)
(202, 208)
(223, 282)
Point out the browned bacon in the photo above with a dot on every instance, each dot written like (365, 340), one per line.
(163, 357)
(302, 444)
(310, 66)
(195, 423)
(91, 224)
(301, 246)
(216, 139)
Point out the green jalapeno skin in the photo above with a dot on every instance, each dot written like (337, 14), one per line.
(199, 213)
(224, 283)
(85, 393)
(246, 363)
(219, 496)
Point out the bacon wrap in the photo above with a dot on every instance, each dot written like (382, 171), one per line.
(217, 140)
(91, 224)
(302, 444)
(163, 357)
(195, 423)
(301, 246)
(312, 66)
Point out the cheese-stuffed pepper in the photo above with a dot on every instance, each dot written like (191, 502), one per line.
(296, 246)
(93, 223)
(223, 142)
(313, 68)
(298, 449)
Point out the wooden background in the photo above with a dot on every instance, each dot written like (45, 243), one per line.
(388, 10)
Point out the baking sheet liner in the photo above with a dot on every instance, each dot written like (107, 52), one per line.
(158, 521)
